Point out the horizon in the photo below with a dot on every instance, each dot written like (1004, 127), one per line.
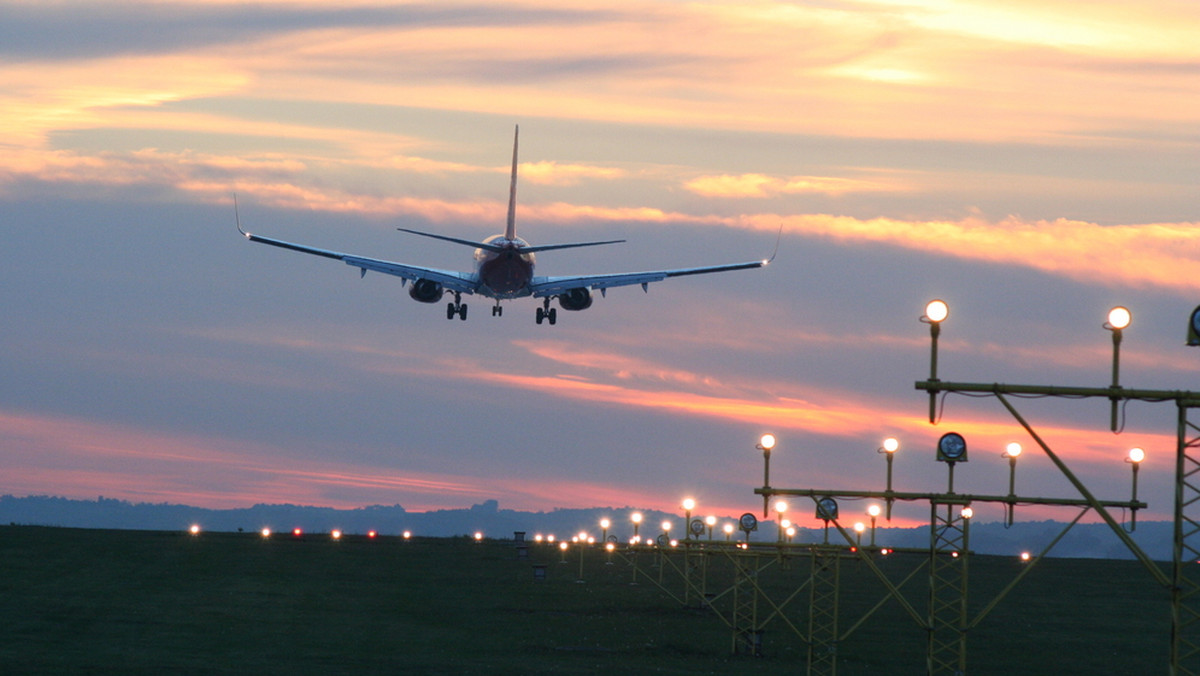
(488, 520)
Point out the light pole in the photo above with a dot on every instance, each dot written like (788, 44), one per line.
(636, 518)
(1135, 458)
(688, 505)
(888, 449)
(936, 312)
(710, 521)
(874, 511)
(604, 524)
(728, 528)
(951, 449)
(765, 444)
(1118, 319)
(1012, 452)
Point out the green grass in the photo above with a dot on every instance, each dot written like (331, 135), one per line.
(134, 602)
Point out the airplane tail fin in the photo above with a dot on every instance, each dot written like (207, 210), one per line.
(510, 231)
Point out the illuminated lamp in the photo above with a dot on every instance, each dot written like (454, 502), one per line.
(936, 311)
(1118, 318)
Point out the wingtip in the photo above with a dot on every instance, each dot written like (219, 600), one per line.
(778, 238)
(237, 219)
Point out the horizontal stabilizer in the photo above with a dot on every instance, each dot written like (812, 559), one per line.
(497, 249)
(571, 245)
(478, 245)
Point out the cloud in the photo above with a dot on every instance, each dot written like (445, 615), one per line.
(761, 185)
(1143, 256)
(553, 173)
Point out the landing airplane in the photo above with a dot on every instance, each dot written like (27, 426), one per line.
(504, 269)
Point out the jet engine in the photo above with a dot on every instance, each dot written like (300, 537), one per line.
(575, 299)
(425, 291)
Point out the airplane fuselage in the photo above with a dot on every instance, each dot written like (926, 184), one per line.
(505, 273)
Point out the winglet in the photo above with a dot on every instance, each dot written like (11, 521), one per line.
(510, 231)
(237, 219)
(778, 237)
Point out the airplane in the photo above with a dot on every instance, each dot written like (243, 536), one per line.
(504, 267)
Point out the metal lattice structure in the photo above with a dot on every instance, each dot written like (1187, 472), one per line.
(823, 610)
(1185, 577)
(747, 637)
(948, 556)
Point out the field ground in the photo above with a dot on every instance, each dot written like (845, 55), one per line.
(139, 602)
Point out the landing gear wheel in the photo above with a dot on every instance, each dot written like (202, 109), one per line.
(451, 310)
(547, 313)
(497, 310)
(462, 312)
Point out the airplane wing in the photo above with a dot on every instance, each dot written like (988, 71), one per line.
(552, 286)
(449, 279)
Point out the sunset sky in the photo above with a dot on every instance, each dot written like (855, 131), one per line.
(1033, 163)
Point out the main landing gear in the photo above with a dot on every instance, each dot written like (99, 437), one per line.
(456, 308)
(497, 310)
(547, 313)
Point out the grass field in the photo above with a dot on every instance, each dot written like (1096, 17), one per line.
(136, 602)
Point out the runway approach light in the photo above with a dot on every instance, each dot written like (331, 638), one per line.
(952, 448)
(936, 311)
(1193, 333)
(1119, 318)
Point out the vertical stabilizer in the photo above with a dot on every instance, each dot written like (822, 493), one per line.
(510, 231)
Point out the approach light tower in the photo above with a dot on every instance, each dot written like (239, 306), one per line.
(1184, 580)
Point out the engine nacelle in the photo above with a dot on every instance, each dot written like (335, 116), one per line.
(575, 299)
(425, 291)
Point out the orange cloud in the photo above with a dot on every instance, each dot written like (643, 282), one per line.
(1146, 255)
(761, 185)
(553, 173)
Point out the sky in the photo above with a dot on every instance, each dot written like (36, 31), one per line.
(1031, 163)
